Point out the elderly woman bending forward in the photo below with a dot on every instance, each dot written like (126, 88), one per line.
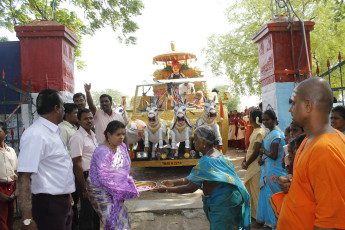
(226, 200)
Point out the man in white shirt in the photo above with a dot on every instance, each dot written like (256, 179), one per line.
(68, 128)
(8, 168)
(45, 169)
(186, 88)
(104, 116)
(83, 143)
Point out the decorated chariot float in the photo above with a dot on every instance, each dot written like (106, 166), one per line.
(165, 110)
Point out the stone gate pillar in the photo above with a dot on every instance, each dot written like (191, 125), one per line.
(279, 51)
(47, 56)
(46, 51)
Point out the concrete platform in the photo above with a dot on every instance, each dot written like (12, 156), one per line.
(163, 205)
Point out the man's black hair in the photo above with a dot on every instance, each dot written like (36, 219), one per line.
(69, 108)
(46, 101)
(81, 111)
(340, 109)
(79, 95)
(106, 95)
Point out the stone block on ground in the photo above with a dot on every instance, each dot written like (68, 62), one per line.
(142, 216)
(194, 213)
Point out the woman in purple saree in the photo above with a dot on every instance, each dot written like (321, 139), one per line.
(109, 183)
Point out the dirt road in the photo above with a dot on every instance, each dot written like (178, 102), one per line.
(164, 216)
(169, 211)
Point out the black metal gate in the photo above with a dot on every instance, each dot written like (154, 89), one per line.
(11, 100)
(10, 110)
(334, 75)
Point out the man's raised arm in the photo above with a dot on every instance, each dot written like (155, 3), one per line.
(89, 99)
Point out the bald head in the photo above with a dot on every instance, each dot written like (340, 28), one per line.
(318, 91)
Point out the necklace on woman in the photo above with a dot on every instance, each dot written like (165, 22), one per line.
(112, 147)
(208, 151)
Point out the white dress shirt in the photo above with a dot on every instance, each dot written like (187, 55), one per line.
(8, 164)
(83, 145)
(43, 153)
(188, 89)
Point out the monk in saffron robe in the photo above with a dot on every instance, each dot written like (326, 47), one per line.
(315, 196)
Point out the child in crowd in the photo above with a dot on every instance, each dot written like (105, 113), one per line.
(287, 140)
(241, 132)
(296, 143)
(290, 156)
(287, 134)
(295, 130)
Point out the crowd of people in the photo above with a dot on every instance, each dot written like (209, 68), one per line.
(295, 178)
(76, 155)
(240, 128)
(70, 155)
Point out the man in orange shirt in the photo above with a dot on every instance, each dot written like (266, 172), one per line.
(315, 196)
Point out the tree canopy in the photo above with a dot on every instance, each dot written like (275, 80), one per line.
(80, 16)
(235, 55)
(232, 101)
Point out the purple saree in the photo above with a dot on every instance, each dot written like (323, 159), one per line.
(109, 184)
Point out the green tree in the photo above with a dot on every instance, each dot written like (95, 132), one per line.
(114, 93)
(232, 101)
(339, 8)
(96, 15)
(235, 55)
(3, 39)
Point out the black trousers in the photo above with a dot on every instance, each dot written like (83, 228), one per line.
(88, 218)
(75, 220)
(52, 212)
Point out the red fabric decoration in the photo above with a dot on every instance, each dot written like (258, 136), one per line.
(176, 63)
(105, 132)
(221, 111)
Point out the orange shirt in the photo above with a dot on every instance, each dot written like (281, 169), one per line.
(317, 193)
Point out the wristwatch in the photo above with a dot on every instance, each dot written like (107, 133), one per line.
(27, 222)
